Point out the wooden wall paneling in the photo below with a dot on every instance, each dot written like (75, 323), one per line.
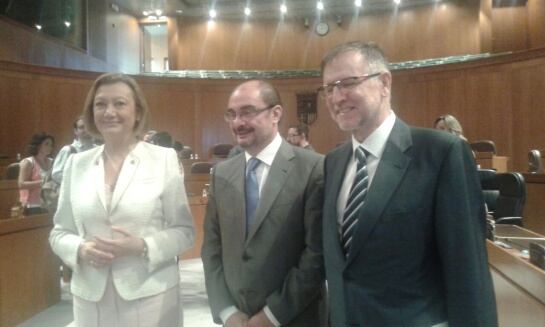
(488, 114)
(485, 26)
(424, 32)
(172, 109)
(528, 79)
(536, 23)
(509, 29)
(214, 129)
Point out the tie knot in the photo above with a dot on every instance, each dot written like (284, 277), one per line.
(361, 155)
(253, 163)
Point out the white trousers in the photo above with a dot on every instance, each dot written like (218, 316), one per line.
(161, 310)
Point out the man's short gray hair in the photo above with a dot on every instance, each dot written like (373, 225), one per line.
(370, 51)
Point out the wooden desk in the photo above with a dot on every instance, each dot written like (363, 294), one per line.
(534, 208)
(198, 209)
(487, 160)
(9, 196)
(29, 271)
(194, 183)
(519, 285)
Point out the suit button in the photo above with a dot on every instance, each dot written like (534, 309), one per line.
(245, 257)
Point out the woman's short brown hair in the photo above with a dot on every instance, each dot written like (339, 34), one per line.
(142, 111)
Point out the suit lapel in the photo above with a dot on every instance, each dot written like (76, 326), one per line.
(278, 174)
(390, 172)
(125, 176)
(235, 171)
(98, 177)
(335, 172)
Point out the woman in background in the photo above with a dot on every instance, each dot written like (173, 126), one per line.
(32, 171)
(123, 216)
(450, 124)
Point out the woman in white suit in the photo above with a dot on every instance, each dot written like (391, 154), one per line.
(123, 216)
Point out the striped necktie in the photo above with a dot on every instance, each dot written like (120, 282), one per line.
(356, 199)
(252, 192)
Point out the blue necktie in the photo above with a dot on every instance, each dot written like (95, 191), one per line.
(356, 199)
(252, 192)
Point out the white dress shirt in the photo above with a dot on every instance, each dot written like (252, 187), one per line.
(374, 144)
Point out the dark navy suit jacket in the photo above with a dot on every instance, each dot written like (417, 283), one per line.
(418, 256)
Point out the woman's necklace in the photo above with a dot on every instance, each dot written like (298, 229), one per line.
(113, 168)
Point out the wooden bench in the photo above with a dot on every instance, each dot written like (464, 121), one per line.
(9, 196)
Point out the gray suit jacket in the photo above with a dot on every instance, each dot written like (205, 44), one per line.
(280, 262)
(418, 255)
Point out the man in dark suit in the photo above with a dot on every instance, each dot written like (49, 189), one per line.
(404, 221)
(262, 249)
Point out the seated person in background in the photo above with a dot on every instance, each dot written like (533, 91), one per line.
(298, 136)
(32, 171)
(178, 147)
(449, 124)
(149, 135)
(234, 151)
(83, 141)
(162, 139)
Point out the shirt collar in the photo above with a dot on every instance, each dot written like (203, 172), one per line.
(269, 152)
(375, 143)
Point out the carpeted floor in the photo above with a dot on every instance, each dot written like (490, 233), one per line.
(195, 302)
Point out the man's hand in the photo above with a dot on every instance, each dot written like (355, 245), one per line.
(237, 319)
(260, 320)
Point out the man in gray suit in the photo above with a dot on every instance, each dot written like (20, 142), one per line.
(404, 221)
(262, 249)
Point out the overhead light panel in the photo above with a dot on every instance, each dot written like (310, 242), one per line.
(145, 13)
(357, 3)
(212, 13)
(67, 23)
(283, 8)
(152, 17)
(38, 27)
(397, 2)
(247, 11)
(320, 5)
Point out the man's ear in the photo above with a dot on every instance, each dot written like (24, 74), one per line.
(277, 112)
(386, 80)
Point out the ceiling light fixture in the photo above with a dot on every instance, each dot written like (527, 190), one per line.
(397, 2)
(145, 12)
(38, 27)
(320, 5)
(158, 12)
(247, 11)
(212, 13)
(67, 23)
(152, 17)
(283, 8)
(357, 3)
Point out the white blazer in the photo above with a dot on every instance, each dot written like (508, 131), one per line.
(149, 201)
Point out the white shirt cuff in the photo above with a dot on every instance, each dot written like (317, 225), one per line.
(227, 312)
(271, 317)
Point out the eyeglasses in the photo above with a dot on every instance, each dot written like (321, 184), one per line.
(245, 113)
(293, 135)
(345, 84)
